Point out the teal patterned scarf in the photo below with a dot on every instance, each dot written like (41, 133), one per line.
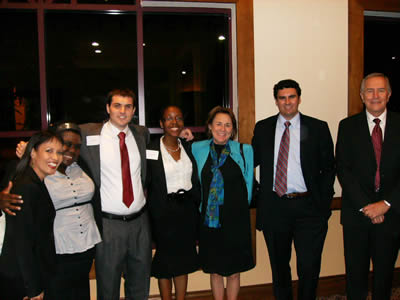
(216, 194)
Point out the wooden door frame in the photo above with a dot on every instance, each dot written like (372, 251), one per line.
(356, 45)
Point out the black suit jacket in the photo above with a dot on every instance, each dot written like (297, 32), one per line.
(28, 250)
(317, 164)
(157, 184)
(90, 154)
(356, 166)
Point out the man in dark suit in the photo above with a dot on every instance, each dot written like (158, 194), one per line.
(120, 175)
(295, 155)
(368, 165)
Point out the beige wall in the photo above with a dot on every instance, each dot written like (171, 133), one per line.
(305, 40)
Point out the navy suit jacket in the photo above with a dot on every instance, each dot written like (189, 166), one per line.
(317, 164)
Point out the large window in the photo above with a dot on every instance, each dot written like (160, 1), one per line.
(19, 71)
(62, 57)
(87, 55)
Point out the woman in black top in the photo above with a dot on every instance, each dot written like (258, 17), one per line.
(172, 190)
(28, 255)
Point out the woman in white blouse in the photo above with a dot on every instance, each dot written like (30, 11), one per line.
(173, 191)
(75, 231)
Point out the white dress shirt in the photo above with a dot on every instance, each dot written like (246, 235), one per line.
(110, 172)
(75, 229)
(295, 179)
(382, 124)
(178, 174)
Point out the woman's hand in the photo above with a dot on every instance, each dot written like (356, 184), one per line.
(38, 297)
(19, 151)
(9, 202)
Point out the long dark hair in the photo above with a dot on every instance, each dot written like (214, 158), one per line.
(34, 142)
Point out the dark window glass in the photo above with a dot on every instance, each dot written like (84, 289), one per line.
(78, 78)
(185, 64)
(19, 71)
(382, 53)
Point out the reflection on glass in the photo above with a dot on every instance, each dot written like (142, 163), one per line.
(78, 79)
(19, 71)
(384, 59)
(185, 64)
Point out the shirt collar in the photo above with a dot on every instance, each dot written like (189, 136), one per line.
(294, 122)
(371, 118)
(115, 131)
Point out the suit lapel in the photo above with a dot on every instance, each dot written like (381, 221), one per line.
(141, 144)
(159, 168)
(94, 153)
(365, 137)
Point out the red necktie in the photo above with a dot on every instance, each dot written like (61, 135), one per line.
(281, 166)
(127, 190)
(377, 142)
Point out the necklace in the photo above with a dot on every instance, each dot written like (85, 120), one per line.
(172, 150)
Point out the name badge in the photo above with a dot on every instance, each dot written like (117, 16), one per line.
(152, 154)
(92, 140)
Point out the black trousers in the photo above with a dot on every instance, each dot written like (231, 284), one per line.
(295, 221)
(71, 281)
(379, 243)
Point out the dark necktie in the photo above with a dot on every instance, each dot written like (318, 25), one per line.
(281, 166)
(377, 142)
(127, 191)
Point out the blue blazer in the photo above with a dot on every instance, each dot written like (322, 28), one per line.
(201, 151)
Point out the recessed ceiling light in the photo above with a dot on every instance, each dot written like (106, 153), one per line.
(183, 72)
(95, 44)
(97, 51)
(221, 38)
(393, 57)
(144, 44)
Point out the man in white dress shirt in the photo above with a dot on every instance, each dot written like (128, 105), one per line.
(126, 246)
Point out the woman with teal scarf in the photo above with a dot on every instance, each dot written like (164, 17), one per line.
(225, 169)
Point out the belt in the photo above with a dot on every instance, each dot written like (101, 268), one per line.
(297, 195)
(125, 218)
(179, 195)
(74, 205)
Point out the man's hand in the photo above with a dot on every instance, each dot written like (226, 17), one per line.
(20, 149)
(375, 209)
(8, 201)
(186, 134)
(378, 220)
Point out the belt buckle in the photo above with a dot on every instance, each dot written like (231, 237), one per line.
(124, 218)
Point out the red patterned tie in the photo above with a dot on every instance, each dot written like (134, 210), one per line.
(127, 190)
(281, 166)
(377, 142)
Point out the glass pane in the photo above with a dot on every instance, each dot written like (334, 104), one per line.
(19, 71)
(383, 56)
(79, 78)
(185, 64)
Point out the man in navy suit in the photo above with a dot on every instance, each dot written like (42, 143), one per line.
(368, 166)
(295, 155)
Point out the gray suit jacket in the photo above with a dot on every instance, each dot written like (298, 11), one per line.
(91, 156)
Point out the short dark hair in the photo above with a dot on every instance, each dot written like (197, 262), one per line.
(164, 108)
(34, 142)
(62, 127)
(221, 110)
(286, 84)
(122, 93)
